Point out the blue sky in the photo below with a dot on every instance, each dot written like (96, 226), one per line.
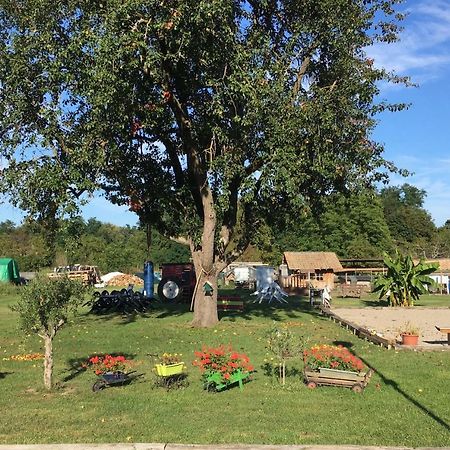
(417, 139)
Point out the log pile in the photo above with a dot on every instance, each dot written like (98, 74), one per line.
(124, 280)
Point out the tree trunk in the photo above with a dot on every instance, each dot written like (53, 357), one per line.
(205, 307)
(48, 362)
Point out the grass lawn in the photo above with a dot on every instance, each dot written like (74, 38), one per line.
(426, 301)
(406, 403)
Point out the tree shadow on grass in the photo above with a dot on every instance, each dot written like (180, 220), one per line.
(5, 374)
(275, 311)
(76, 365)
(395, 385)
(158, 310)
(271, 369)
(375, 303)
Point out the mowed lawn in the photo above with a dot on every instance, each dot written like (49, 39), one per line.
(370, 299)
(406, 403)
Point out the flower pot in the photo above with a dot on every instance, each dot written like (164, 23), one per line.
(410, 339)
(167, 370)
(356, 381)
(340, 374)
(215, 381)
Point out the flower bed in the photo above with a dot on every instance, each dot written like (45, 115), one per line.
(25, 357)
(101, 364)
(332, 357)
(169, 364)
(221, 367)
(334, 366)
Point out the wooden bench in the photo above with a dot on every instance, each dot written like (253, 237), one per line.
(230, 303)
(445, 330)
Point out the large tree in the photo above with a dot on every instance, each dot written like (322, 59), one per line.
(209, 117)
(411, 226)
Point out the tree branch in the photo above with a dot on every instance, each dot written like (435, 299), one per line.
(300, 74)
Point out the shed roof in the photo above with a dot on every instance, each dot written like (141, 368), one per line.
(312, 261)
(444, 264)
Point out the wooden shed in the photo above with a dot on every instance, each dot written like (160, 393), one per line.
(305, 269)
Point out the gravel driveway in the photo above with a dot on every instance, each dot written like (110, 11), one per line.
(387, 321)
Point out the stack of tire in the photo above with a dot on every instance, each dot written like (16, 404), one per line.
(125, 301)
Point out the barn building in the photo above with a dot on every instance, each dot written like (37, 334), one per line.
(309, 269)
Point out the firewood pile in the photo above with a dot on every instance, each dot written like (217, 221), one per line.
(124, 280)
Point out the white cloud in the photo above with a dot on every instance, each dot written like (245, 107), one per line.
(422, 52)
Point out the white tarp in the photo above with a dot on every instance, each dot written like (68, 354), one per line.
(109, 276)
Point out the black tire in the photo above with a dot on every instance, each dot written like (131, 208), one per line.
(170, 289)
(211, 386)
(98, 385)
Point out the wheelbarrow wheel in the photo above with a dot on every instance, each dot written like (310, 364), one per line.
(358, 388)
(98, 385)
(311, 385)
(211, 386)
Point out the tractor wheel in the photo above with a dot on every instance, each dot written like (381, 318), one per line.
(170, 289)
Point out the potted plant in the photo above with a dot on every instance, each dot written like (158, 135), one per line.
(222, 367)
(110, 370)
(334, 365)
(169, 364)
(409, 334)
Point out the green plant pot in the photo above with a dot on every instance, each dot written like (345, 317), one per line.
(167, 370)
(214, 381)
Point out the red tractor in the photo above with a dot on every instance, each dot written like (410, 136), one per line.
(177, 282)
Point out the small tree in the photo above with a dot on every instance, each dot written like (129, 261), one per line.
(284, 345)
(44, 307)
(404, 281)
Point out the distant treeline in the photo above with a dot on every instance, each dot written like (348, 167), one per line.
(110, 247)
(357, 226)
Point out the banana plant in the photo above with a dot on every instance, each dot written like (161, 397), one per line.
(404, 281)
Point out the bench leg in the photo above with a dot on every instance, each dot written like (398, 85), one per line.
(448, 338)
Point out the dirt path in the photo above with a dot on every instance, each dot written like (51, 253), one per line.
(387, 321)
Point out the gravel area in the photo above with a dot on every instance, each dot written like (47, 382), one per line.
(387, 321)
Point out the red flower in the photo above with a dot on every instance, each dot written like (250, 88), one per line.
(332, 357)
(222, 360)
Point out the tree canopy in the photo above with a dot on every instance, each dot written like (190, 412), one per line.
(209, 118)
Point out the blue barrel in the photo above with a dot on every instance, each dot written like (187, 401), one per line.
(149, 279)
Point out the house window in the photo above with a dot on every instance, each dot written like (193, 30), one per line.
(316, 276)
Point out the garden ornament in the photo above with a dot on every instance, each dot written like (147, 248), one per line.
(270, 291)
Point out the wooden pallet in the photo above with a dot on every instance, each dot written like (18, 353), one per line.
(86, 277)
